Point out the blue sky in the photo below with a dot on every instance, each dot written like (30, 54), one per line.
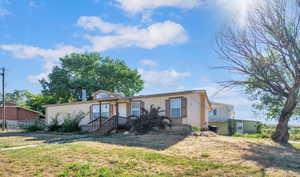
(170, 42)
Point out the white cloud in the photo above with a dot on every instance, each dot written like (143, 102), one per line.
(164, 78)
(93, 23)
(158, 34)
(113, 35)
(148, 62)
(237, 9)
(50, 56)
(135, 6)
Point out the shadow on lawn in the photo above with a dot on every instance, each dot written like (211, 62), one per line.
(284, 157)
(45, 137)
(156, 141)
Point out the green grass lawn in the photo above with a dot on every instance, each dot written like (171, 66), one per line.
(144, 155)
(83, 159)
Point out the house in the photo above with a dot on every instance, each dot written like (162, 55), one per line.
(17, 116)
(184, 107)
(222, 116)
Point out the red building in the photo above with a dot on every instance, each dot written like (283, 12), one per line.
(16, 115)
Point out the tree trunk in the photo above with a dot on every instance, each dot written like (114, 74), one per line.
(281, 135)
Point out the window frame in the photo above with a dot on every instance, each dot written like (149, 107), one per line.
(135, 109)
(98, 105)
(180, 107)
(98, 96)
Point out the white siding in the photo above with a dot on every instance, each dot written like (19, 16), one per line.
(193, 106)
(224, 112)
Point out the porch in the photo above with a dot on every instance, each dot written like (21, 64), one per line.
(108, 115)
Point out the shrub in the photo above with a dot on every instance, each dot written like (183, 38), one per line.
(54, 124)
(149, 120)
(36, 125)
(69, 124)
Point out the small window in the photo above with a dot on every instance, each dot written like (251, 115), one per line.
(215, 112)
(175, 107)
(136, 109)
(96, 111)
(102, 95)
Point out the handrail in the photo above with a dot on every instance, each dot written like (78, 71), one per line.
(96, 120)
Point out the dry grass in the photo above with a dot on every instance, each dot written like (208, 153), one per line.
(149, 155)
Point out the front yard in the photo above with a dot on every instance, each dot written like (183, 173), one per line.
(145, 155)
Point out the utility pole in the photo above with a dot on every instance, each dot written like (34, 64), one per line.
(3, 99)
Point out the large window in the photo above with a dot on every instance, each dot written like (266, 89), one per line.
(175, 107)
(96, 111)
(105, 110)
(136, 109)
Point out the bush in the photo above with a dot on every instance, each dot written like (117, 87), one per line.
(70, 123)
(36, 125)
(149, 120)
(54, 124)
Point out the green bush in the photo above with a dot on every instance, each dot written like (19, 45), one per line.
(70, 123)
(266, 131)
(37, 124)
(54, 124)
(149, 120)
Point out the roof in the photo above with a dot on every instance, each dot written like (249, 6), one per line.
(132, 97)
(221, 104)
(11, 105)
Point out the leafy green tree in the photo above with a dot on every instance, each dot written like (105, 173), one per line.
(37, 101)
(17, 97)
(91, 72)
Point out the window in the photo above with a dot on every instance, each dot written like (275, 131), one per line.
(215, 112)
(105, 110)
(136, 108)
(96, 111)
(175, 107)
(102, 95)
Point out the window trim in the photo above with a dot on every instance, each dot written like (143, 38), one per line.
(102, 93)
(140, 109)
(92, 111)
(170, 107)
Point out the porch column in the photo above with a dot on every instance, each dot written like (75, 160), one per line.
(100, 111)
(117, 115)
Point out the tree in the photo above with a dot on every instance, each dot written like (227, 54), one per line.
(36, 102)
(267, 54)
(91, 72)
(17, 97)
(26, 99)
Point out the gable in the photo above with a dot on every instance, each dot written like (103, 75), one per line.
(102, 94)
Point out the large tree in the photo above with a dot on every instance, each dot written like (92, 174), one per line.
(91, 72)
(267, 53)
